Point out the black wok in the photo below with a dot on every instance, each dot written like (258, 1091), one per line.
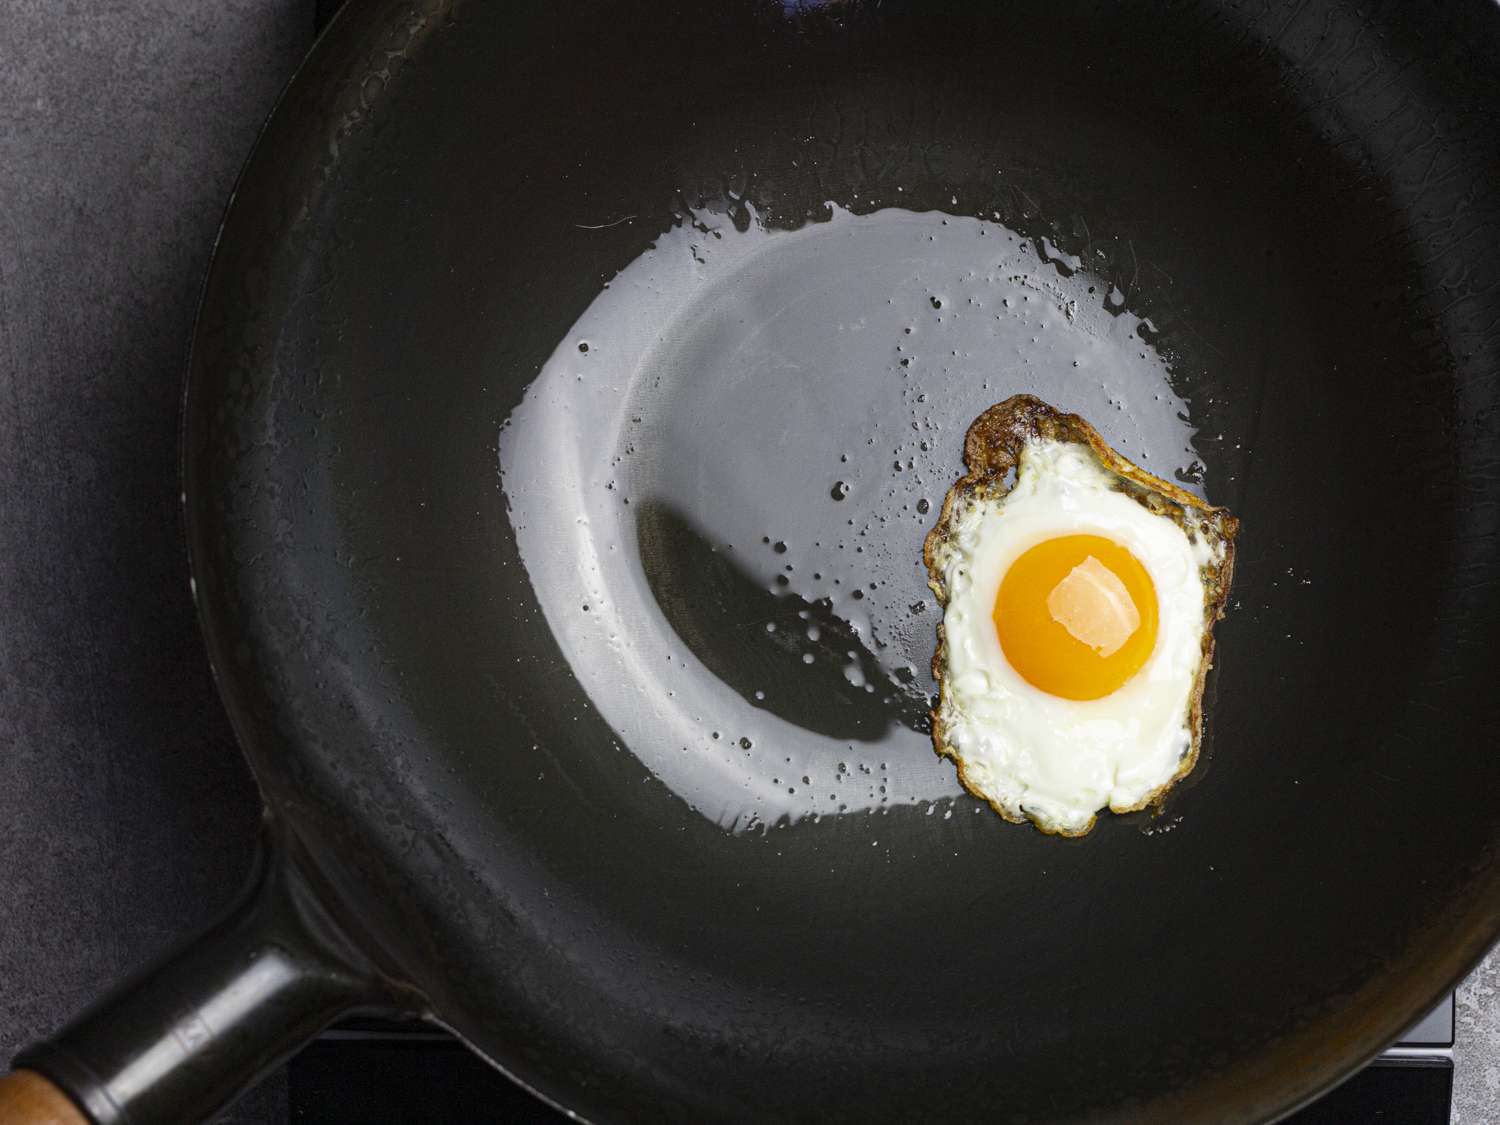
(564, 592)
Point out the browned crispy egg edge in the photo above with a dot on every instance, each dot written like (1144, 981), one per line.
(992, 450)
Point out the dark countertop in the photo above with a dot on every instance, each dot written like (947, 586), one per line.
(127, 817)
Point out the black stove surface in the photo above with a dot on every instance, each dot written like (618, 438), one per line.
(127, 817)
(360, 1078)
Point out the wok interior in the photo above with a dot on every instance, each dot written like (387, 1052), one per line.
(581, 923)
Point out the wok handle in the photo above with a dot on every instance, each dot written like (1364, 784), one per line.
(186, 1036)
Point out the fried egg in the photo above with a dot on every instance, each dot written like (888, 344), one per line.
(1079, 594)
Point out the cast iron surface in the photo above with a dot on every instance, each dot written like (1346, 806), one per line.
(1313, 194)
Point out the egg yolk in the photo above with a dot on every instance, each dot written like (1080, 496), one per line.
(1076, 616)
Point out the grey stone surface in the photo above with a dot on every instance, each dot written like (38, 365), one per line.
(1476, 1087)
(127, 816)
(121, 127)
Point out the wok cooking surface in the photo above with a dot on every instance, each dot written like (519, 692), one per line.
(512, 300)
(721, 489)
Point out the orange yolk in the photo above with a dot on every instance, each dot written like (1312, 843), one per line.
(1076, 616)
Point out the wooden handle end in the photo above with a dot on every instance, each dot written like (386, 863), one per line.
(26, 1098)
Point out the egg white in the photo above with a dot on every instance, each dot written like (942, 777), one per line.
(1031, 754)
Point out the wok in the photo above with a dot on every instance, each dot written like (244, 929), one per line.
(572, 387)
